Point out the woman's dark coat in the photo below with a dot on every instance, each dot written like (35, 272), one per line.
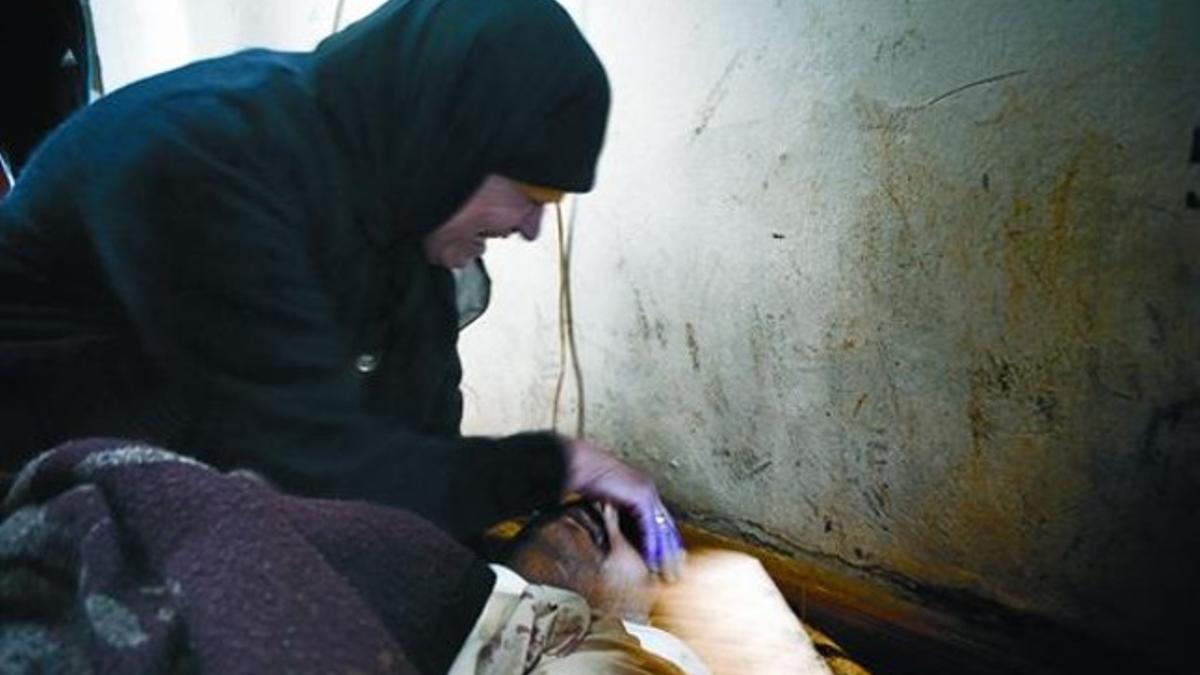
(224, 260)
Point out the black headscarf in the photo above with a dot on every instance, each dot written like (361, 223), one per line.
(458, 89)
(203, 259)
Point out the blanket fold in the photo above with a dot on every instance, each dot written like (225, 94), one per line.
(122, 557)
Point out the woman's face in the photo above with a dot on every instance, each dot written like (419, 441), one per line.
(498, 208)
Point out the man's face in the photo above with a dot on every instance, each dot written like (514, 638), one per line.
(498, 208)
(584, 550)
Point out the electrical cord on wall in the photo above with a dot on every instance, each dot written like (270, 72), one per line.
(338, 11)
(567, 347)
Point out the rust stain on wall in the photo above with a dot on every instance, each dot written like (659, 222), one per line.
(1035, 245)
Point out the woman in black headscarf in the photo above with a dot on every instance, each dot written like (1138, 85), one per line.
(247, 260)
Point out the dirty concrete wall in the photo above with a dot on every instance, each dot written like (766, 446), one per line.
(909, 288)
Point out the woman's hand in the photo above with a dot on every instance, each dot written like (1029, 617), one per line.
(596, 473)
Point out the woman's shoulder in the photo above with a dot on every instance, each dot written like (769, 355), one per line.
(212, 126)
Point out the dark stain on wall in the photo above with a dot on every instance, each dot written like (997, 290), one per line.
(1046, 404)
(858, 405)
(744, 462)
(1193, 199)
(642, 321)
(1165, 421)
(1156, 320)
(692, 345)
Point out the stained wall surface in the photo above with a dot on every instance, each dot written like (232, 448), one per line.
(909, 288)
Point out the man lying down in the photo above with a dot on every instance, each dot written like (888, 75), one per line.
(119, 557)
(572, 576)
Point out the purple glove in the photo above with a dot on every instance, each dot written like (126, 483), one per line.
(597, 474)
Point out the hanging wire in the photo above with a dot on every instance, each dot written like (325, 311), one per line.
(567, 346)
(338, 12)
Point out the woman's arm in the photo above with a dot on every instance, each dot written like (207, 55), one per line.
(217, 283)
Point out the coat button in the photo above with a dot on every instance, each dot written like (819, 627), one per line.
(366, 363)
